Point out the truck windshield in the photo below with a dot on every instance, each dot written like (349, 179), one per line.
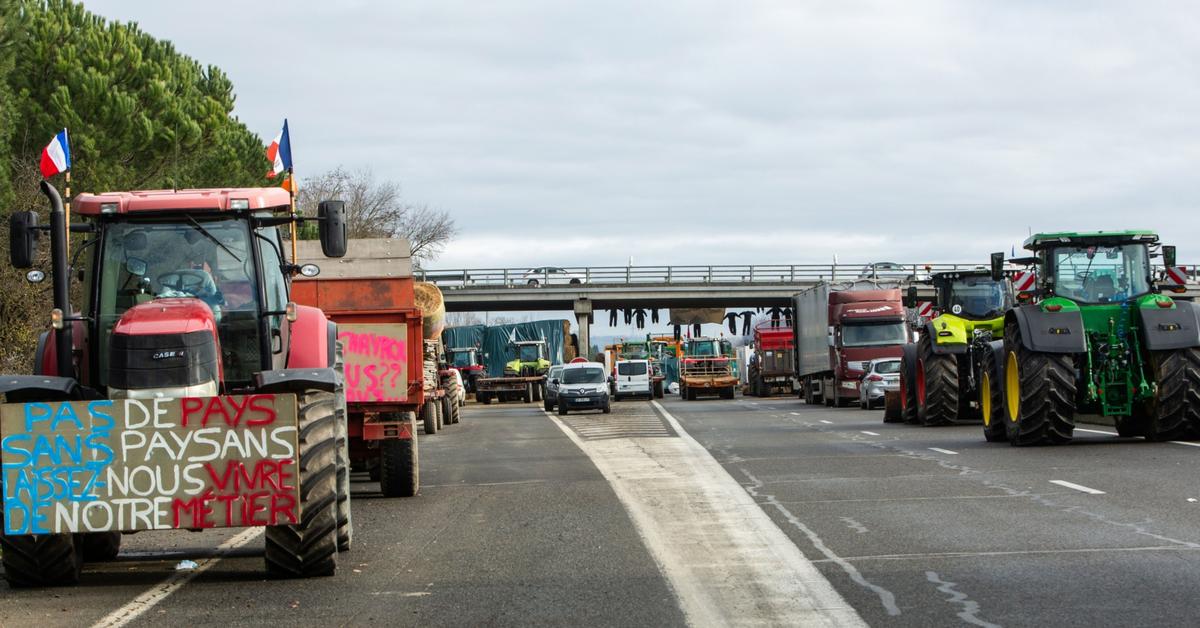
(143, 261)
(1100, 274)
(529, 353)
(634, 352)
(977, 297)
(873, 334)
(462, 358)
(704, 348)
(589, 375)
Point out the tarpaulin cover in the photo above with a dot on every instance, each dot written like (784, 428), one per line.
(496, 340)
(697, 315)
(670, 369)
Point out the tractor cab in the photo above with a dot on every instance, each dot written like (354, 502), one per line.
(635, 350)
(530, 358)
(463, 358)
(1097, 267)
(972, 295)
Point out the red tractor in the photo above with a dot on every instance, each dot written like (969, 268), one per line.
(187, 392)
(466, 360)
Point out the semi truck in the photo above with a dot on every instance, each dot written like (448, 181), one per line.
(391, 370)
(838, 328)
(772, 363)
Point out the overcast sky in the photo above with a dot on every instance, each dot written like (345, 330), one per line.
(737, 132)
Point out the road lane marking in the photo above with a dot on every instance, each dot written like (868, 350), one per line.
(970, 608)
(1078, 487)
(794, 413)
(869, 433)
(943, 451)
(1183, 442)
(1080, 429)
(924, 556)
(726, 560)
(827, 422)
(148, 600)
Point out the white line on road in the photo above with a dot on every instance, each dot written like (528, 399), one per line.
(148, 600)
(794, 413)
(1181, 442)
(827, 422)
(869, 433)
(724, 557)
(943, 451)
(1080, 429)
(1078, 487)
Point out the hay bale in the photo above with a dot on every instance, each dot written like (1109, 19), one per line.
(433, 309)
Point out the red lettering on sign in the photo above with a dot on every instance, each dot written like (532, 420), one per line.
(190, 405)
(265, 407)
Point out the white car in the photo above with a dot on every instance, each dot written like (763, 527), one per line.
(890, 271)
(548, 275)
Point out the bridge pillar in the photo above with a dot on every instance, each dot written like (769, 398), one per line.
(583, 318)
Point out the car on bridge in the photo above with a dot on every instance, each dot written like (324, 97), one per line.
(890, 271)
(550, 275)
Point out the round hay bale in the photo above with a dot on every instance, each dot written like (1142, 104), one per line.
(433, 309)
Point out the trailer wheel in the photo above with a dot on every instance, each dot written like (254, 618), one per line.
(100, 546)
(728, 392)
(1039, 393)
(399, 468)
(309, 548)
(45, 560)
(908, 389)
(447, 411)
(429, 417)
(1174, 412)
(991, 399)
(659, 390)
(537, 392)
(484, 398)
(937, 385)
(529, 393)
(437, 411)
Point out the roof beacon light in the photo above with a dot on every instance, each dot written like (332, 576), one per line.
(108, 208)
(239, 203)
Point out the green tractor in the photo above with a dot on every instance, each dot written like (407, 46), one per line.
(1094, 335)
(530, 359)
(940, 375)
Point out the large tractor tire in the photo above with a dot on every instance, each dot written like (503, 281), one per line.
(345, 522)
(528, 393)
(47, 560)
(447, 411)
(456, 413)
(537, 392)
(1174, 412)
(659, 390)
(728, 392)
(991, 398)
(399, 468)
(429, 416)
(1039, 393)
(937, 385)
(100, 546)
(309, 548)
(908, 383)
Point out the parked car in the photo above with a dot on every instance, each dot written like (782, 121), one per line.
(879, 376)
(582, 386)
(549, 275)
(632, 379)
(890, 271)
(550, 391)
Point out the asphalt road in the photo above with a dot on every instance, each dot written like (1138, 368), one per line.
(708, 512)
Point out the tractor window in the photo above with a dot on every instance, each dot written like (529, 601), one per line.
(529, 353)
(977, 297)
(706, 348)
(635, 352)
(873, 334)
(208, 260)
(462, 359)
(1101, 274)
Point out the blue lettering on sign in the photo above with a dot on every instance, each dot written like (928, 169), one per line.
(63, 461)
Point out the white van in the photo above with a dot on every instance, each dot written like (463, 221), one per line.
(632, 379)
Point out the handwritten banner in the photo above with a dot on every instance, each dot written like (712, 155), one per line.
(150, 464)
(376, 360)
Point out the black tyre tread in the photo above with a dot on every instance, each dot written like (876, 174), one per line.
(908, 384)
(345, 519)
(941, 386)
(309, 549)
(429, 417)
(47, 560)
(100, 546)
(399, 467)
(994, 430)
(447, 411)
(1047, 402)
(1174, 413)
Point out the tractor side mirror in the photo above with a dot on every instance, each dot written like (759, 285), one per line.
(997, 266)
(1168, 253)
(22, 239)
(332, 228)
(910, 299)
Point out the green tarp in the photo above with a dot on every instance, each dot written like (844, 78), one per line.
(495, 341)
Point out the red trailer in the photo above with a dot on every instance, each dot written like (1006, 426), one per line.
(391, 372)
(772, 365)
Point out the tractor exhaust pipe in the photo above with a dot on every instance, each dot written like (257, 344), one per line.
(60, 274)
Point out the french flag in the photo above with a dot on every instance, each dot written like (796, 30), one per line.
(279, 153)
(56, 157)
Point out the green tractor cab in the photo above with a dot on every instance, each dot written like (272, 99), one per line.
(530, 359)
(1096, 335)
(941, 374)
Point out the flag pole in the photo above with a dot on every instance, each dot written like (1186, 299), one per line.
(67, 207)
(291, 183)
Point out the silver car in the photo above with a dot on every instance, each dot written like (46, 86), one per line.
(879, 377)
(887, 271)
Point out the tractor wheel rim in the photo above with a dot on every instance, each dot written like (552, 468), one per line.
(985, 398)
(1012, 387)
(920, 383)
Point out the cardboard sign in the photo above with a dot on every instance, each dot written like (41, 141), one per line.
(376, 361)
(150, 464)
